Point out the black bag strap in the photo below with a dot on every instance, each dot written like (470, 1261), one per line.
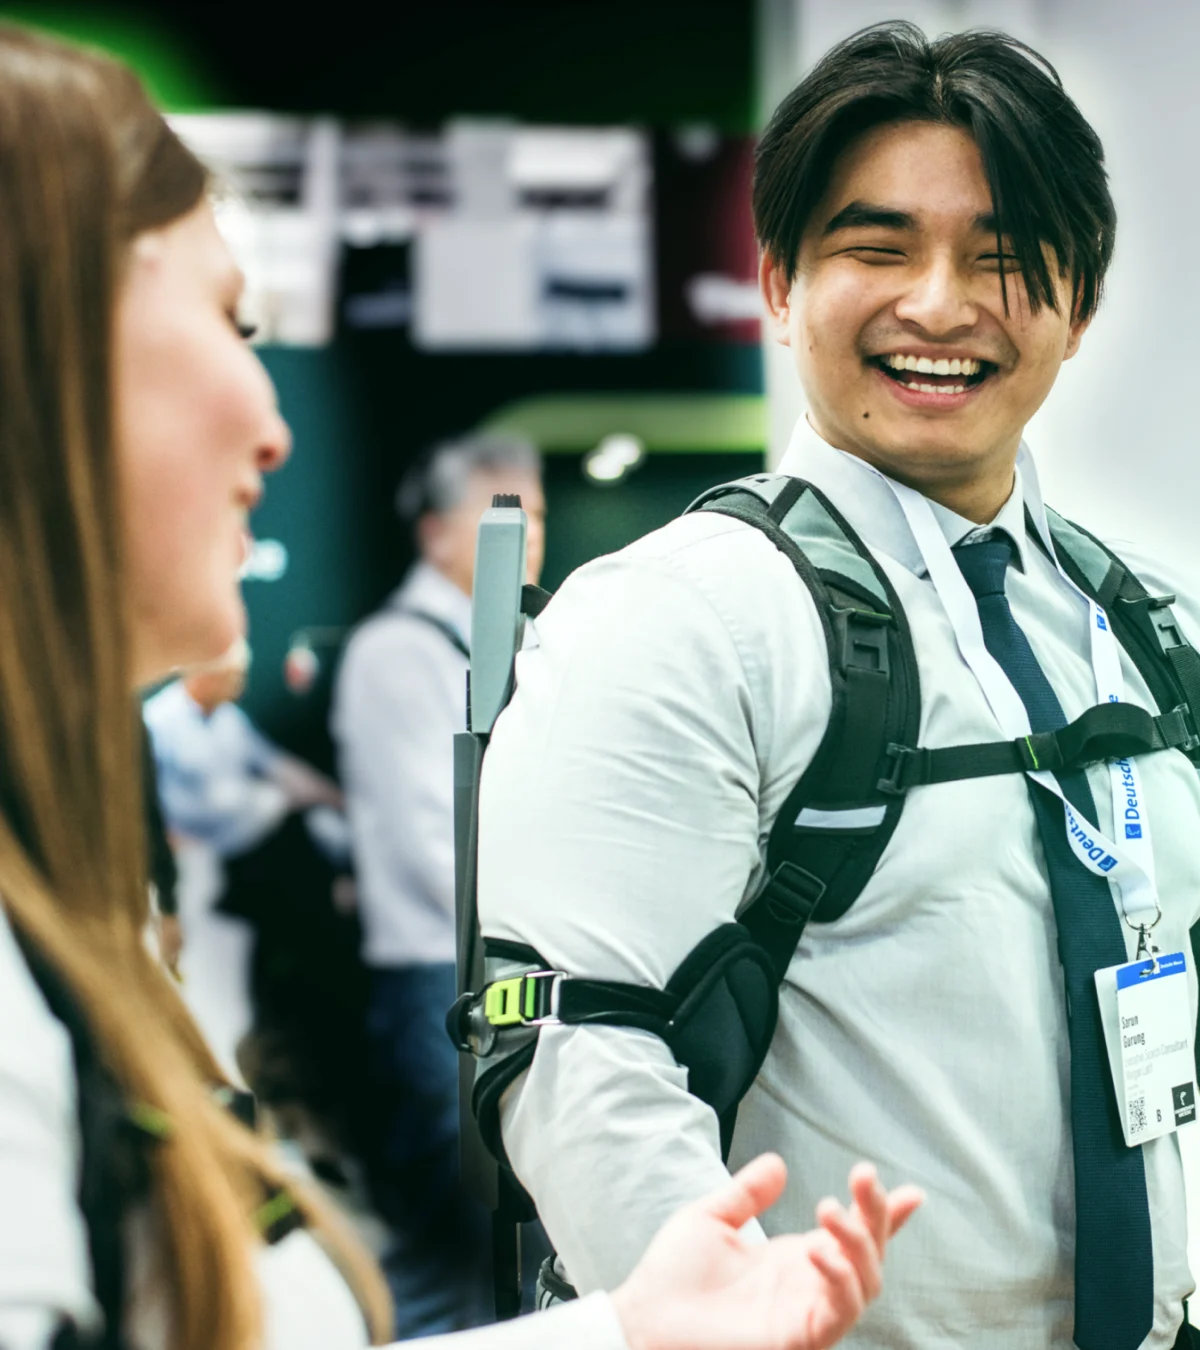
(836, 822)
(1144, 624)
(447, 630)
(1109, 731)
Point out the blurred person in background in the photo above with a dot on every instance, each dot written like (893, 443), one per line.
(220, 779)
(224, 788)
(399, 699)
(135, 430)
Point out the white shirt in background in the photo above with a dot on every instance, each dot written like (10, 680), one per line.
(216, 772)
(679, 691)
(399, 699)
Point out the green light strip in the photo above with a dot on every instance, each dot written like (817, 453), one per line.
(664, 423)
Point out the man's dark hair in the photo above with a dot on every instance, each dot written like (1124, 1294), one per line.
(1044, 163)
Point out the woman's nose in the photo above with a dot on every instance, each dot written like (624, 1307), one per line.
(275, 446)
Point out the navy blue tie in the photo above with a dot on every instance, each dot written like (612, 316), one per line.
(1114, 1265)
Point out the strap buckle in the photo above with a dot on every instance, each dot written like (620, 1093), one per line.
(1161, 618)
(907, 765)
(862, 640)
(1180, 716)
(529, 1000)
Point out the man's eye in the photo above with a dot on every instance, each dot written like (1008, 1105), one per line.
(873, 252)
(245, 330)
(1011, 262)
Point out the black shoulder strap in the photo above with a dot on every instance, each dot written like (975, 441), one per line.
(836, 822)
(1144, 624)
(447, 630)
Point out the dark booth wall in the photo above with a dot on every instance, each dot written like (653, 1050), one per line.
(363, 406)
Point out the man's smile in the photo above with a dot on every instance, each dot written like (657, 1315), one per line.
(922, 381)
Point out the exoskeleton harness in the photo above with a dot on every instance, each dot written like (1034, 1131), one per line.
(717, 1013)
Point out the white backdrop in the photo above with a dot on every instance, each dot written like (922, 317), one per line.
(1118, 441)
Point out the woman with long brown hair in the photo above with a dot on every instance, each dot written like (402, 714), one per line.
(137, 1209)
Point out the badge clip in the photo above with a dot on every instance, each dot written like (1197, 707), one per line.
(1146, 949)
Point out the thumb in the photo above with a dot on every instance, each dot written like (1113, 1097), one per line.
(748, 1192)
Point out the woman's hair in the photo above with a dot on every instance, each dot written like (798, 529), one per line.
(86, 164)
(1044, 163)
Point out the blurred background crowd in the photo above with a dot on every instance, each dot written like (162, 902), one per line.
(507, 247)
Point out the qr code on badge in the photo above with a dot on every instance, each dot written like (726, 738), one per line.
(1137, 1116)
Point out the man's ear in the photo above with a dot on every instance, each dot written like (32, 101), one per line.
(776, 288)
(1075, 336)
(431, 538)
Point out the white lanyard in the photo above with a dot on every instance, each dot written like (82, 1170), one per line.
(1130, 865)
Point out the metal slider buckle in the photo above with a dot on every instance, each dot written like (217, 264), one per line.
(519, 1001)
(1189, 728)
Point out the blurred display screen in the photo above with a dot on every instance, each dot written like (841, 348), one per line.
(485, 236)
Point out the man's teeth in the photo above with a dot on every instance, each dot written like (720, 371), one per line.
(925, 365)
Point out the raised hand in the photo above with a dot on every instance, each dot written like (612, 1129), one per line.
(702, 1286)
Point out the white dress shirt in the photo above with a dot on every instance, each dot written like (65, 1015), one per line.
(399, 699)
(45, 1272)
(679, 691)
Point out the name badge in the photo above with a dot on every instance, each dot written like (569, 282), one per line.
(1146, 1014)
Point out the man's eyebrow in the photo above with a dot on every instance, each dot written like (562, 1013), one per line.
(857, 214)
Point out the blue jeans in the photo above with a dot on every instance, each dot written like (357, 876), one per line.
(439, 1265)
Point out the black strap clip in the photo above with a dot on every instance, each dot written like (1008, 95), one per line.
(1178, 729)
(1161, 618)
(792, 894)
(907, 765)
(862, 636)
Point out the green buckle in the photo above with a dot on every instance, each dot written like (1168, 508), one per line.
(523, 1000)
(502, 1002)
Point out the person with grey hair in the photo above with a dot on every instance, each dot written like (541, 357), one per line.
(399, 697)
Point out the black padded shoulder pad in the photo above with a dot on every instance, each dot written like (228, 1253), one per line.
(837, 820)
(722, 1028)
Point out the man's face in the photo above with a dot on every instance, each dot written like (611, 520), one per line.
(899, 266)
(448, 541)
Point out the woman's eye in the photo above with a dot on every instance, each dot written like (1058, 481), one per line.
(245, 330)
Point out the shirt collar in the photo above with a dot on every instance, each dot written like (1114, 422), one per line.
(425, 588)
(862, 495)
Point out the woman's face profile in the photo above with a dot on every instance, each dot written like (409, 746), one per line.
(197, 427)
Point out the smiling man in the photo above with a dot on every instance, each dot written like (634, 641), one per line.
(935, 227)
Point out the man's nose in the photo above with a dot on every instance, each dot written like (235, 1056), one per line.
(938, 300)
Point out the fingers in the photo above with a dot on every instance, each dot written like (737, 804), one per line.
(871, 1201)
(884, 1212)
(856, 1241)
(902, 1204)
(844, 1288)
(750, 1191)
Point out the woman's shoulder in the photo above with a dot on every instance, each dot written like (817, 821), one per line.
(36, 1061)
(43, 1242)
